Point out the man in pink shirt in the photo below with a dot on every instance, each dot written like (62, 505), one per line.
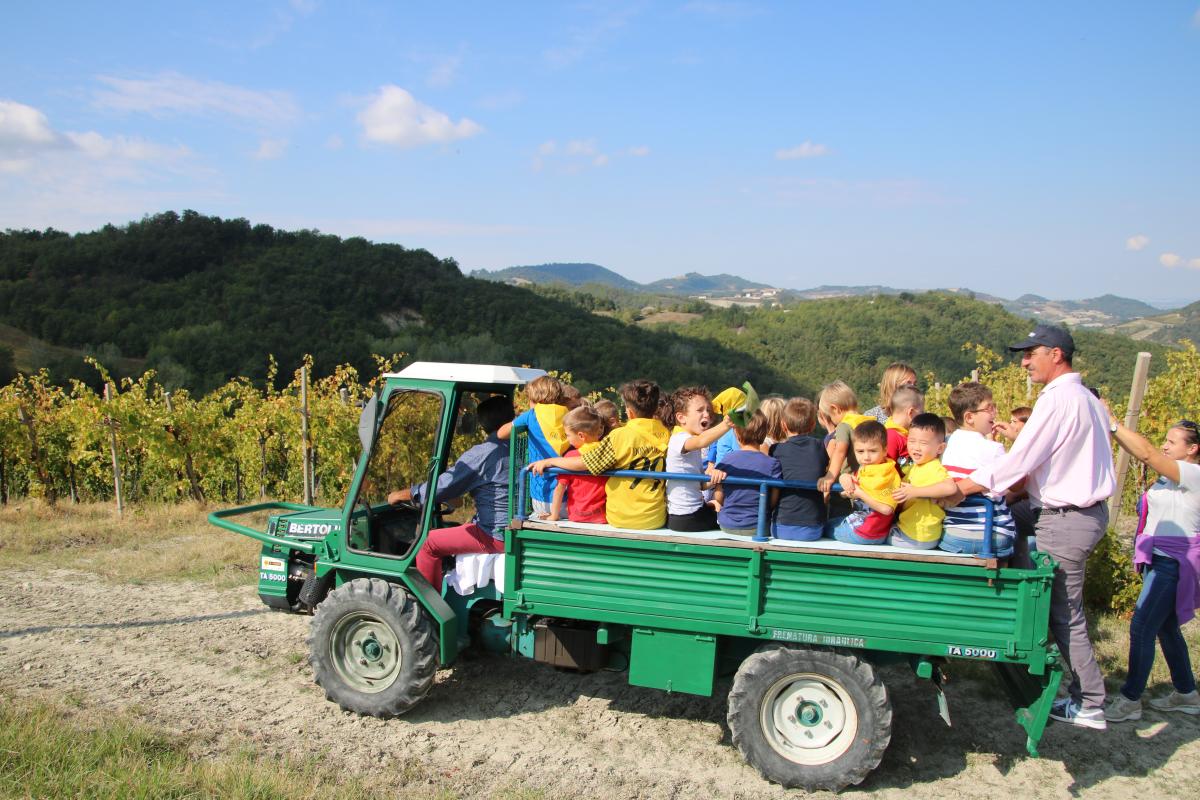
(1066, 454)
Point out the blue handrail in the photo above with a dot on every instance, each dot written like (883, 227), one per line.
(763, 484)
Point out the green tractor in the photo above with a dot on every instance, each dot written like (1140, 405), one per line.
(801, 628)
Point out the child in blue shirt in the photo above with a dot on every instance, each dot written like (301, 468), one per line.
(738, 513)
(801, 514)
(547, 437)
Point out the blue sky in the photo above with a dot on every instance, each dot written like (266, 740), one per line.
(1010, 148)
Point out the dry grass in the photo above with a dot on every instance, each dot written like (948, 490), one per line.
(147, 542)
(175, 542)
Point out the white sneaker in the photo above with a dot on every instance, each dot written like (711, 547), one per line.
(1122, 709)
(1068, 711)
(1186, 703)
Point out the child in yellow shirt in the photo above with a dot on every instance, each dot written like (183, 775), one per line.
(919, 526)
(871, 487)
(641, 444)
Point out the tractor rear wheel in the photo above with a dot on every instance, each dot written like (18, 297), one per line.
(809, 717)
(372, 648)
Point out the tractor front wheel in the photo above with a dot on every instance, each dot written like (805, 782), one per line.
(372, 649)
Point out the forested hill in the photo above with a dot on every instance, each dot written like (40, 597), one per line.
(203, 299)
(854, 338)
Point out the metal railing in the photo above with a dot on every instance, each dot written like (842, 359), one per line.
(764, 486)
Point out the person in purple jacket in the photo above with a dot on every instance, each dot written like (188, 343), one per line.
(1167, 554)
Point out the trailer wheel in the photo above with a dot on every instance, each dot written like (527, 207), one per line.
(372, 649)
(809, 717)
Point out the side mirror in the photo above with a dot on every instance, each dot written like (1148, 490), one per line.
(368, 422)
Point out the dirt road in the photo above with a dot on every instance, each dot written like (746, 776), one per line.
(218, 664)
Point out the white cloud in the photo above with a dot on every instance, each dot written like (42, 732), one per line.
(805, 149)
(172, 93)
(577, 155)
(1170, 260)
(1137, 242)
(79, 180)
(334, 142)
(26, 137)
(303, 7)
(581, 147)
(270, 149)
(23, 126)
(1196, 18)
(1194, 263)
(585, 39)
(96, 146)
(395, 117)
(444, 71)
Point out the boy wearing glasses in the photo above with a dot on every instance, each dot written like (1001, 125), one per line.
(968, 449)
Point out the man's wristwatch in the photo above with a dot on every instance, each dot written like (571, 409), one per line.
(1112, 427)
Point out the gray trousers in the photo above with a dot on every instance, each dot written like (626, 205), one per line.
(1069, 538)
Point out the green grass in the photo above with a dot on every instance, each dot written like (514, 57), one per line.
(62, 750)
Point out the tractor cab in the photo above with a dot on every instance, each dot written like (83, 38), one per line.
(411, 431)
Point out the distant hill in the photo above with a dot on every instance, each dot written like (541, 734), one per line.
(572, 274)
(695, 283)
(1105, 311)
(1166, 327)
(581, 275)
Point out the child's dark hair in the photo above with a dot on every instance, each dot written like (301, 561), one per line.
(755, 432)
(681, 398)
(641, 397)
(608, 412)
(544, 389)
(571, 397)
(967, 397)
(665, 411)
(1021, 413)
(494, 412)
(800, 416)
(929, 422)
(870, 431)
(584, 420)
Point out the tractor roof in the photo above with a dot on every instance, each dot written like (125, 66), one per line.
(467, 373)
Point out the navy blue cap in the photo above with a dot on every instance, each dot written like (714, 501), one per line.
(1047, 336)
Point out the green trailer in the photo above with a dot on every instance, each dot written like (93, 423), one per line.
(801, 628)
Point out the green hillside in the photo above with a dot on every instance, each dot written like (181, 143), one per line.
(854, 338)
(203, 299)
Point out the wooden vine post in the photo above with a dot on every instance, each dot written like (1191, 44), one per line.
(112, 443)
(306, 444)
(1137, 390)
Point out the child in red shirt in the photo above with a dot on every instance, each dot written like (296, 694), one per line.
(585, 494)
(907, 402)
